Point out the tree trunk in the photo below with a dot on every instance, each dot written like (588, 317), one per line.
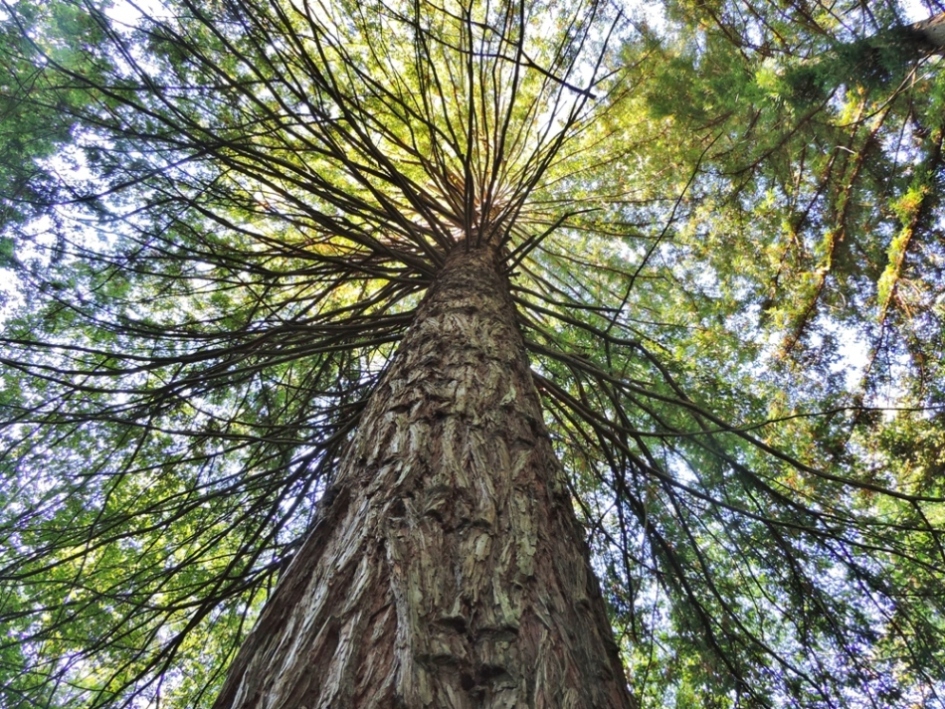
(448, 569)
(931, 33)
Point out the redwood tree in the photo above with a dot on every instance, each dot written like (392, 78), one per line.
(349, 344)
(445, 568)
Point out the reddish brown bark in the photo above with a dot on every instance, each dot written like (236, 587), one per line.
(448, 570)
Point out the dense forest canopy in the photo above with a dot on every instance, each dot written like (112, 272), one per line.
(722, 223)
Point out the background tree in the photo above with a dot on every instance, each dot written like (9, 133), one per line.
(261, 194)
(813, 137)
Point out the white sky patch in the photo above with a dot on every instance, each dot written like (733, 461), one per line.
(130, 13)
(914, 10)
(647, 12)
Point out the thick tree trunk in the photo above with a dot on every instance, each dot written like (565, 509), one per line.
(448, 570)
(931, 33)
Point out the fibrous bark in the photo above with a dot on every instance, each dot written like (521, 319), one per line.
(448, 569)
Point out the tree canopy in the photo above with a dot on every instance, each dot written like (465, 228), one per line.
(722, 223)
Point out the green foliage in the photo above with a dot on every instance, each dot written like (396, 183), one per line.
(37, 107)
(221, 216)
